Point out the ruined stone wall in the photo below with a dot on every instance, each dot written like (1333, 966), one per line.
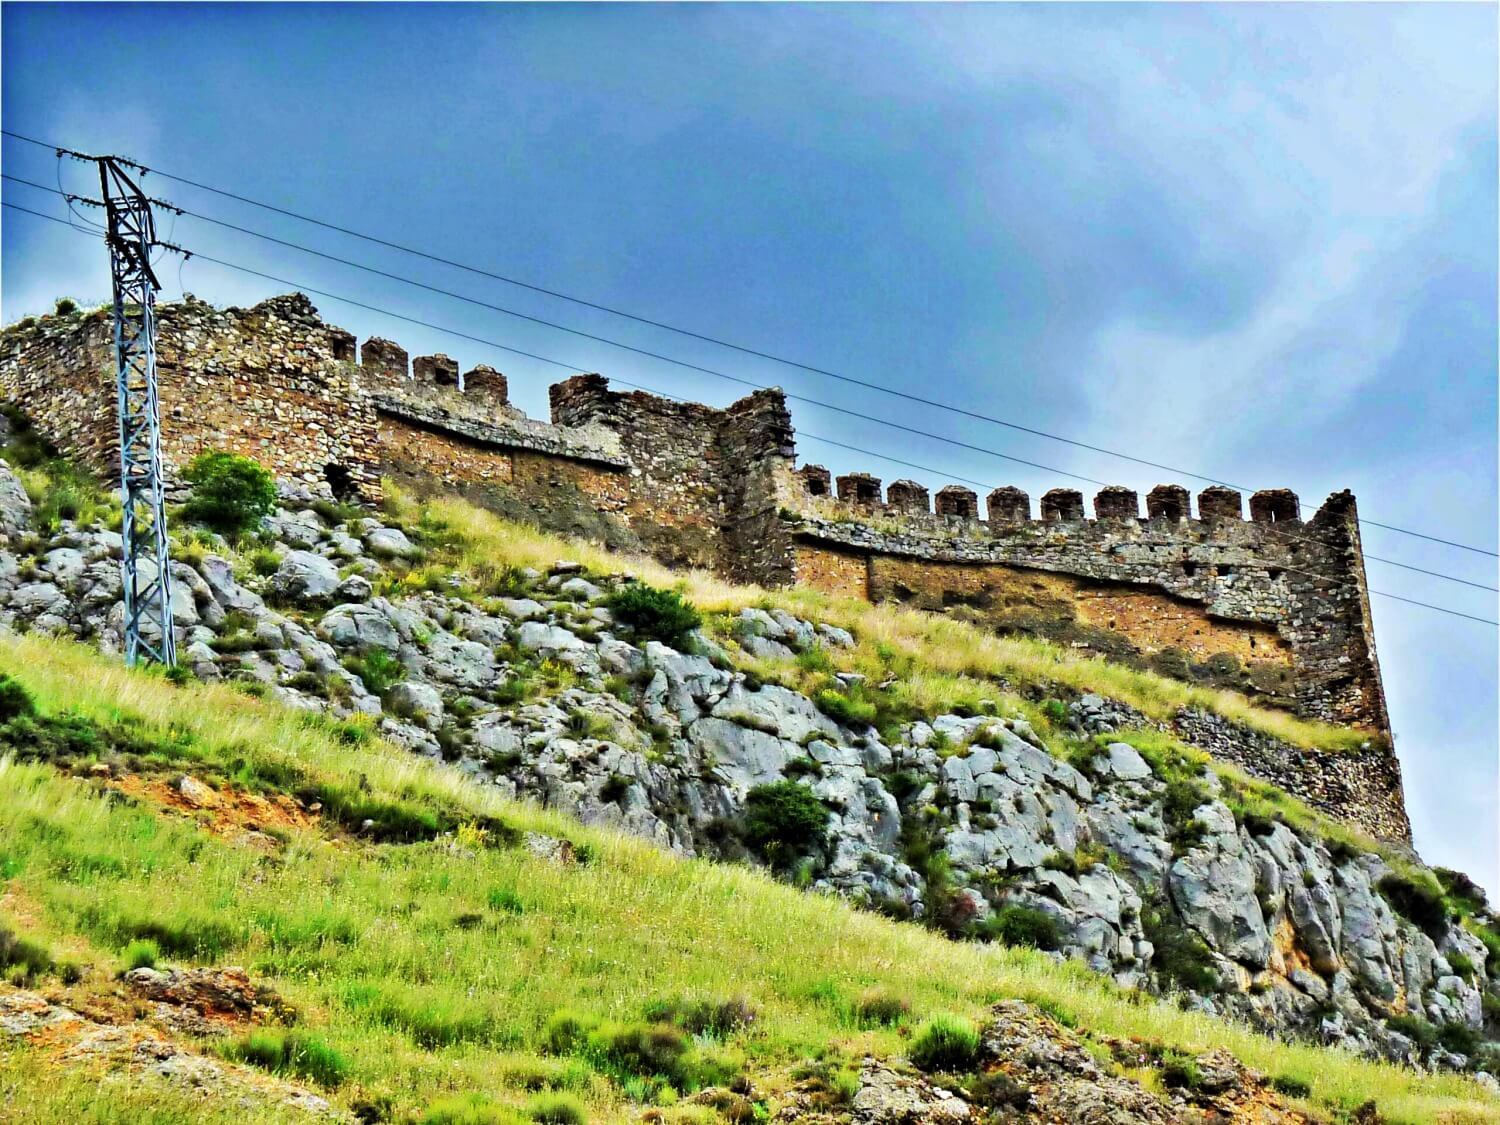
(272, 382)
(703, 489)
(1279, 604)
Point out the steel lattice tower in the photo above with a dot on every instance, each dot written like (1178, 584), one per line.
(130, 234)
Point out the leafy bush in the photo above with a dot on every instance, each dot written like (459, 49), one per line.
(652, 614)
(1179, 955)
(1461, 890)
(290, 1052)
(1014, 924)
(947, 1043)
(21, 959)
(1415, 1028)
(1461, 965)
(704, 1017)
(64, 306)
(784, 819)
(142, 953)
(231, 493)
(1420, 903)
(466, 1109)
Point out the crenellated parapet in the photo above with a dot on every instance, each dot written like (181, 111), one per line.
(1169, 503)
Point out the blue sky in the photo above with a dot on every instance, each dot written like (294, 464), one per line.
(1256, 241)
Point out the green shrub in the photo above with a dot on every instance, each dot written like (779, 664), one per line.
(15, 700)
(946, 1043)
(142, 953)
(1468, 895)
(1420, 903)
(1014, 924)
(652, 614)
(1180, 1071)
(879, 1007)
(1459, 1038)
(1179, 955)
(717, 1018)
(506, 901)
(1461, 965)
(1415, 1028)
(64, 306)
(557, 1109)
(231, 493)
(290, 1052)
(784, 819)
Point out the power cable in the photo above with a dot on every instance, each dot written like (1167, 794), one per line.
(879, 387)
(704, 370)
(651, 390)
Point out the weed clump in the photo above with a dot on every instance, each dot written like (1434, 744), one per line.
(1420, 903)
(557, 1109)
(291, 1052)
(879, 1007)
(945, 1043)
(142, 953)
(654, 615)
(231, 493)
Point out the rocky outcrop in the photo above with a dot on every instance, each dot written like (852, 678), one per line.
(541, 695)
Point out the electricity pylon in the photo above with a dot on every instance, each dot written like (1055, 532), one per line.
(130, 233)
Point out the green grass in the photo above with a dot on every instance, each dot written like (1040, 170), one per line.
(376, 946)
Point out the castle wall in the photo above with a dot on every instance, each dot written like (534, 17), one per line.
(1273, 606)
(1269, 594)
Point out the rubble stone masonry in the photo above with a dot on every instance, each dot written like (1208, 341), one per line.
(1272, 605)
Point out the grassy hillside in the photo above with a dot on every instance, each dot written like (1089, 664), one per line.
(439, 965)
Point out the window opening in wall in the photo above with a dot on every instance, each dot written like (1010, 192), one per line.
(1190, 568)
(1274, 575)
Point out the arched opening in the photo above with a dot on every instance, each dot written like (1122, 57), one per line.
(340, 482)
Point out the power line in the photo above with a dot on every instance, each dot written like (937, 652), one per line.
(651, 390)
(812, 369)
(696, 367)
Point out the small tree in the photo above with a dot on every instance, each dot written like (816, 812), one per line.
(231, 494)
(654, 614)
(783, 820)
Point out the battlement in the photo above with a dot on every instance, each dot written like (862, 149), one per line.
(860, 493)
(1271, 605)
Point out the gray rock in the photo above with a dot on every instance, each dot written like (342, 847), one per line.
(534, 636)
(15, 504)
(389, 543)
(218, 575)
(776, 710)
(355, 588)
(359, 627)
(467, 664)
(417, 701)
(305, 578)
(1124, 762)
(581, 589)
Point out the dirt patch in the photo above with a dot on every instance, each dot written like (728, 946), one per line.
(235, 814)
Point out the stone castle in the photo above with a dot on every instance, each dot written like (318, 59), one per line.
(1275, 605)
